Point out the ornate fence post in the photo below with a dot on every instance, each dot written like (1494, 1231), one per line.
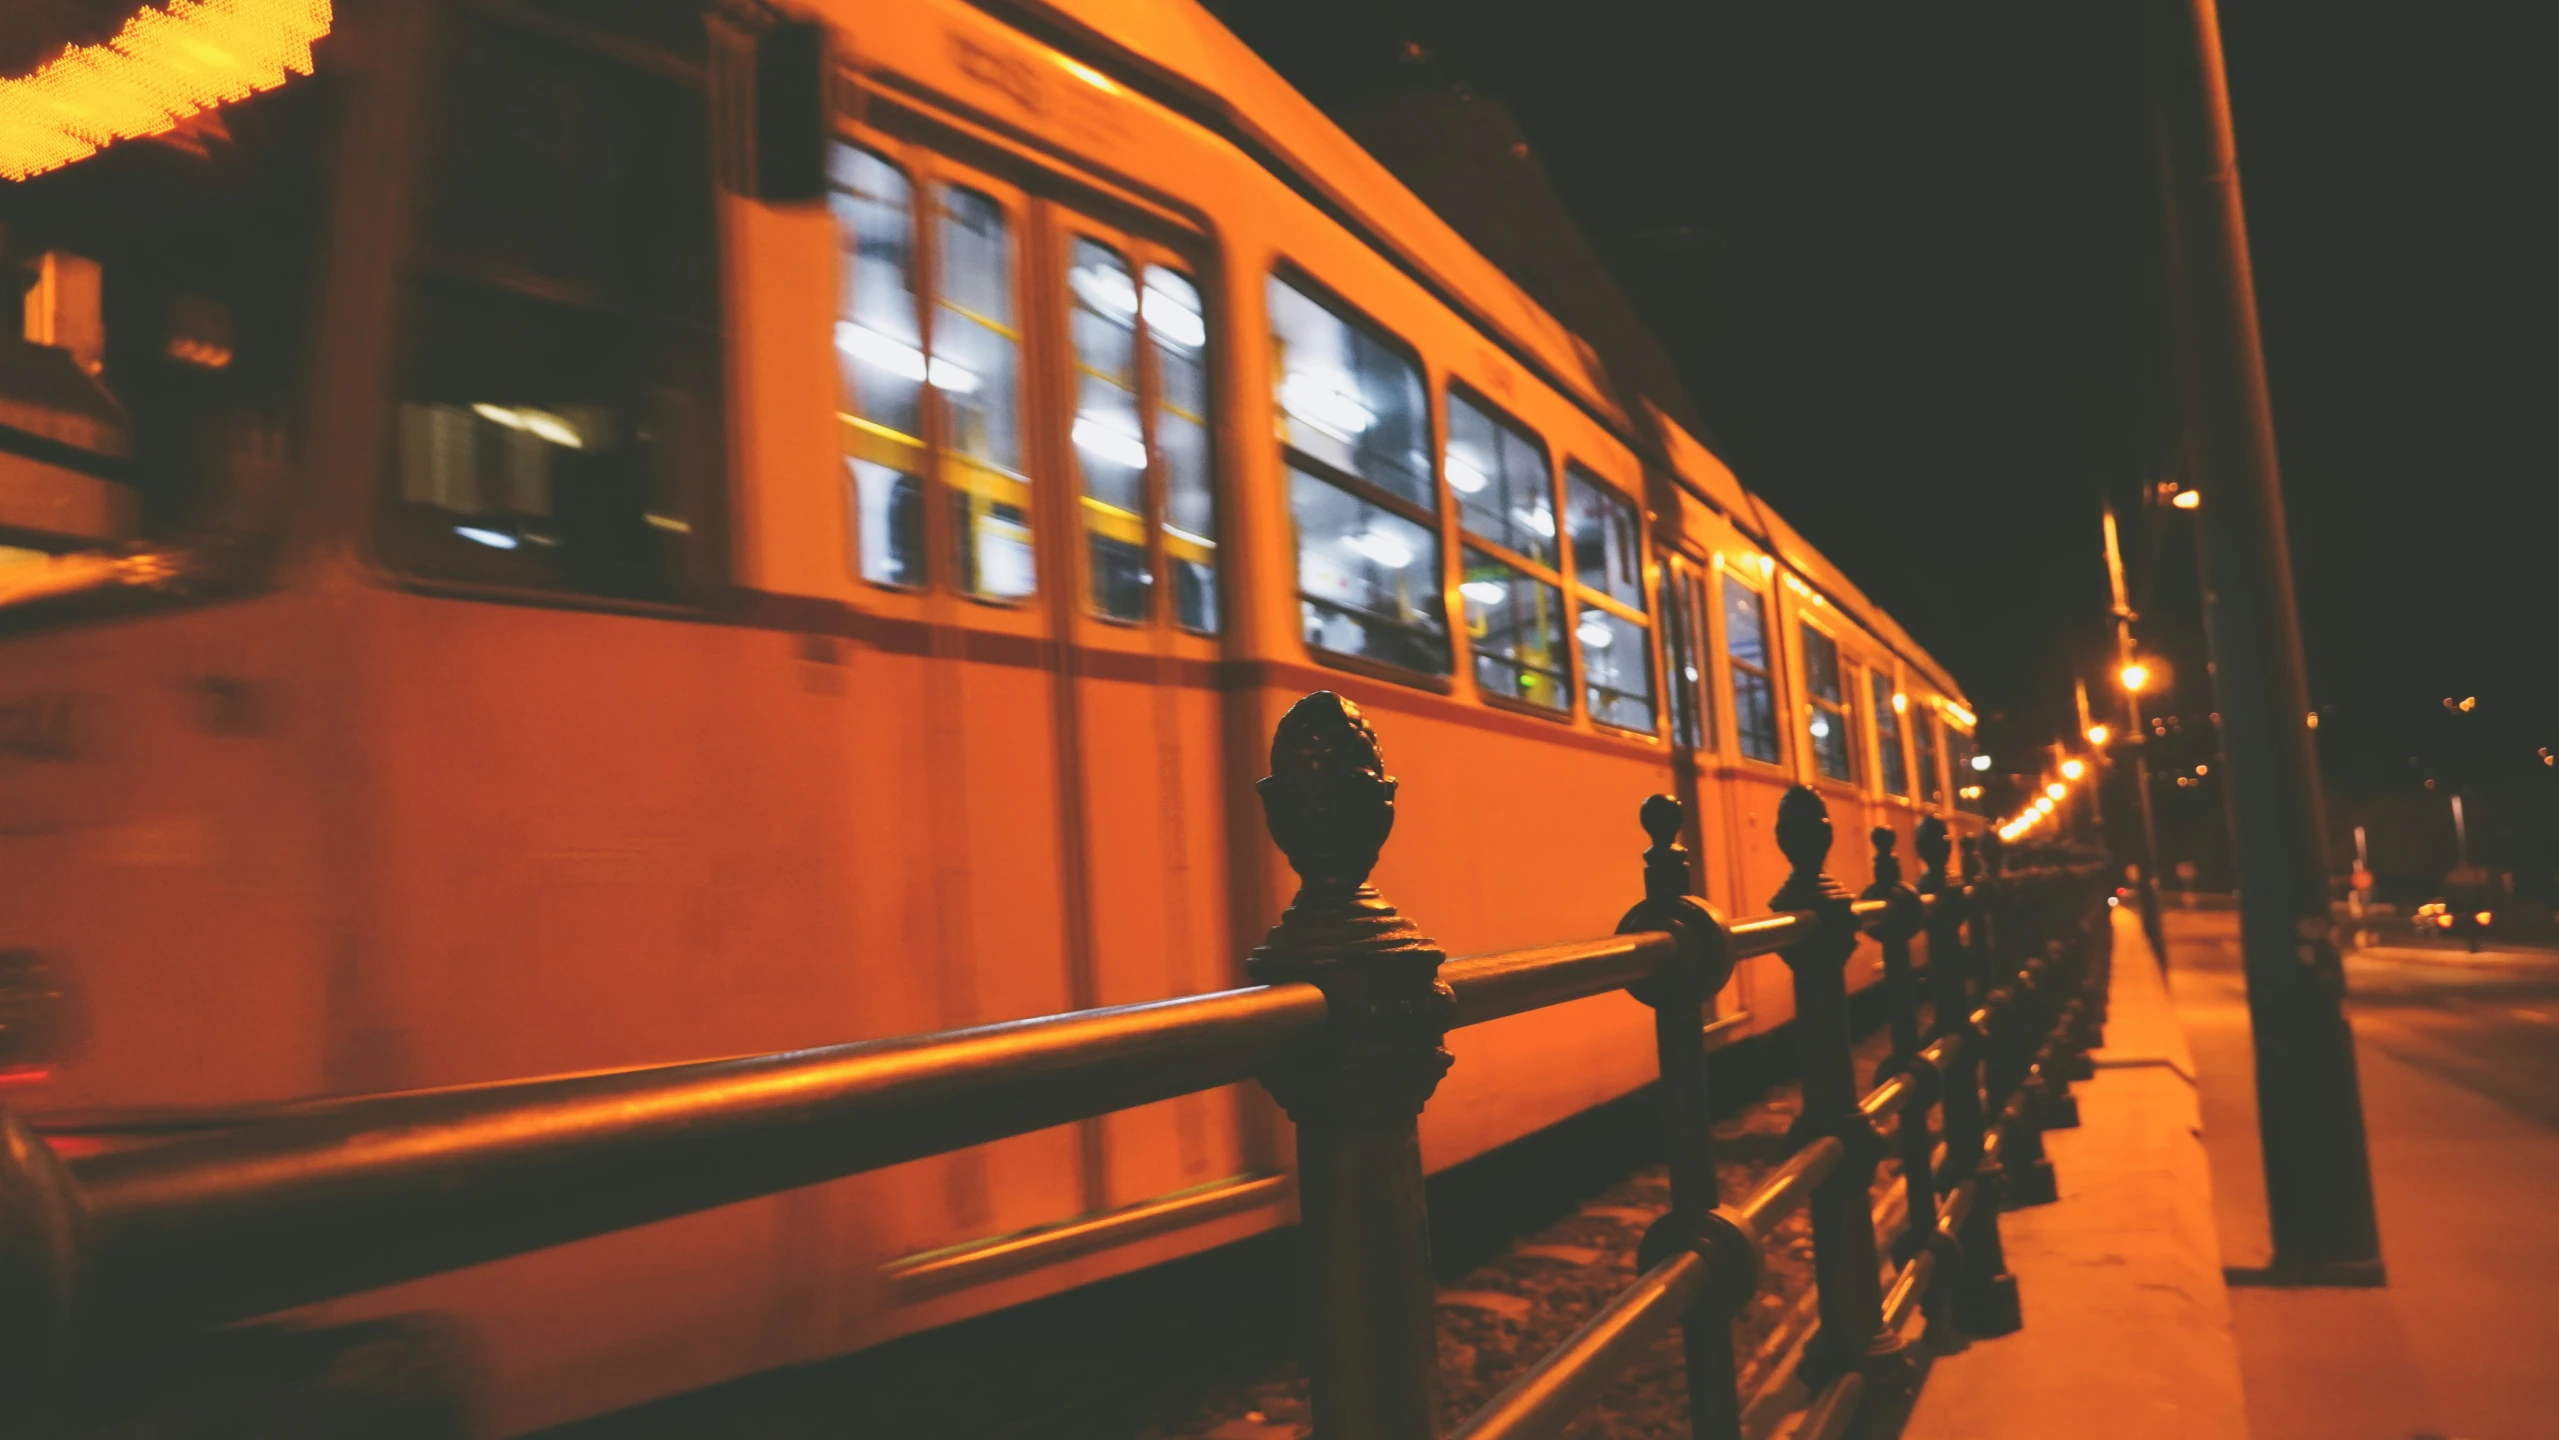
(1985, 1294)
(1364, 1287)
(1901, 921)
(1844, 1260)
(1678, 997)
(2009, 964)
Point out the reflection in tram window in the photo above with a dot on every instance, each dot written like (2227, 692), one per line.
(1890, 767)
(1178, 325)
(1682, 647)
(879, 355)
(1368, 579)
(1515, 625)
(1347, 400)
(1504, 491)
(1110, 443)
(1608, 549)
(1746, 647)
(974, 359)
(1827, 723)
(558, 420)
(1617, 668)
(1608, 565)
(1932, 790)
(1353, 423)
(1961, 753)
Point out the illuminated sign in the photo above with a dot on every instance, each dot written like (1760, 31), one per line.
(162, 67)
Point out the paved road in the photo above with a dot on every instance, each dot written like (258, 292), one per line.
(2487, 1022)
(2459, 1062)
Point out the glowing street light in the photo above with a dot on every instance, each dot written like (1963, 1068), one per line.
(2055, 791)
(2135, 677)
(1981, 762)
(2098, 734)
(2074, 768)
(2187, 499)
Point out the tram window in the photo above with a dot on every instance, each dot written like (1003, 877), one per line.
(1608, 547)
(1368, 579)
(1617, 668)
(559, 403)
(1515, 626)
(1961, 750)
(1754, 693)
(1932, 790)
(1347, 400)
(1890, 766)
(879, 353)
(1353, 424)
(974, 360)
(1108, 306)
(1679, 653)
(1109, 437)
(1825, 685)
(1177, 324)
(1608, 565)
(1505, 493)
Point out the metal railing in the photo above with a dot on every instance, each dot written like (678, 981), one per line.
(1344, 1026)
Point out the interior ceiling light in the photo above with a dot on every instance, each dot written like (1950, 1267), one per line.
(164, 66)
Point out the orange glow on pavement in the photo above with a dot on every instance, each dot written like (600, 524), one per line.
(162, 67)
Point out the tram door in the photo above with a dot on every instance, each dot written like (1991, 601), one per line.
(1713, 834)
(1138, 710)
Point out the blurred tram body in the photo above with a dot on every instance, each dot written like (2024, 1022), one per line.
(521, 605)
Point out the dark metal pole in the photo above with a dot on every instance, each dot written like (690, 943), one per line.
(1844, 1260)
(2138, 737)
(1985, 1293)
(2310, 1111)
(1893, 932)
(1364, 1290)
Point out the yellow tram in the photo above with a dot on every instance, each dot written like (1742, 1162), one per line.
(487, 589)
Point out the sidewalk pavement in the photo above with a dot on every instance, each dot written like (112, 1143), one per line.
(2462, 1124)
(2128, 1326)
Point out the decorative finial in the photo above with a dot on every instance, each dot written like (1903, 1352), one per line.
(1932, 844)
(1666, 863)
(1887, 869)
(1328, 800)
(1803, 829)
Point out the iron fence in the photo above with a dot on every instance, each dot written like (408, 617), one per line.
(1344, 1024)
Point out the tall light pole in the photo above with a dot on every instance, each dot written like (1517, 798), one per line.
(2309, 1105)
(2138, 737)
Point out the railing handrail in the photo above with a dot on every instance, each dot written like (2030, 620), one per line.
(337, 1197)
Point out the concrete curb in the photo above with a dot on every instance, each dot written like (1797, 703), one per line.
(2128, 1328)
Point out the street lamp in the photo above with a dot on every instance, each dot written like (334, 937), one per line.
(2135, 676)
(2098, 734)
(2073, 769)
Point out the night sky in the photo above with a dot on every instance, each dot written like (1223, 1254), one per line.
(1904, 257)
